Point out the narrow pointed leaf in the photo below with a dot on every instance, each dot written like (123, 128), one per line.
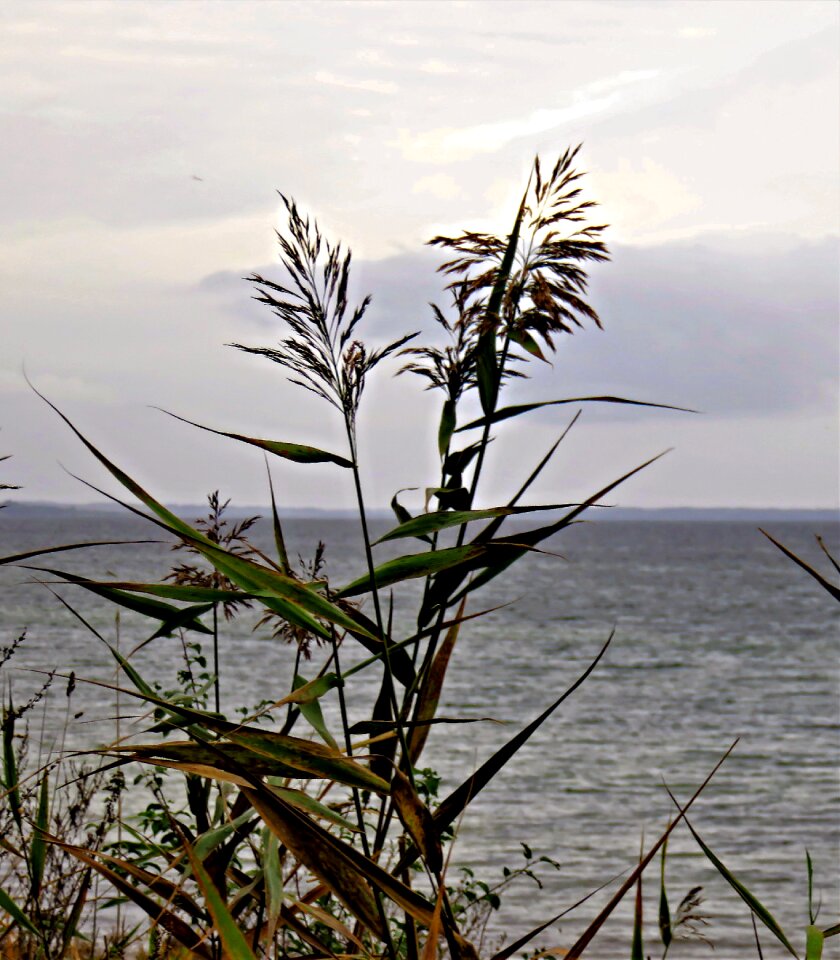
(441, 519)
(233, 940)
(755, 905)
(38, 848)
(298, 452)
(279, 540)
(7, 905)
(664, 910)
(588, 935)
(447, 426)
(29, 554)
(311, 710)
(417, 820)
(821, 580)
(326, 854)
(429, 694)
(170, 617)
(518, 409)
(414, 565)
(450, 809)
(183, 932)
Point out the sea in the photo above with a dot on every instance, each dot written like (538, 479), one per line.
(717, 637)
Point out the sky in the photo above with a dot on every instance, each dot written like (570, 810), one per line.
(145, 142)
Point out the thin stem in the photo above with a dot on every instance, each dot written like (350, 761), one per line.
(357, 803)
(216, 657)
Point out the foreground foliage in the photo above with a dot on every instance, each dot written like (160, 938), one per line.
(320, 842)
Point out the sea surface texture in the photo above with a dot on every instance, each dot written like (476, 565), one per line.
(717, 637)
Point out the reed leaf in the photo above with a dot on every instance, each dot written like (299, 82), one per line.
(298, 452)
(814, 939)
(516, 410)
(38, 846)
(7, 905)
(233, 941)
(162, 916)
(755, 905)
(311, 710)
(414, 565)
(417, 820)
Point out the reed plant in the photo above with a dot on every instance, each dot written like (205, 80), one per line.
(300, 840)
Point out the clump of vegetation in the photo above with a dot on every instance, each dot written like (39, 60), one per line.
(295, 839)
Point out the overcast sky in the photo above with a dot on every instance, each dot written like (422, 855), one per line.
(143, 143)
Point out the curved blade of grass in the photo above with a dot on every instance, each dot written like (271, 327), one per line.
(637, 951)
(298, 452)
(441, 519)
(279, 540)
(311, 710)
(517, 945)
(429, 694)
(417, 820)
(821, 580)
(7, 905)
(457, 801)
(414, 565)
(589, 934)
(324, 853)
(29, 554)
(518, 409)
(170, 617)
(308, 804)
(38, 848)
(664, 910)
(749, 899)
(233, 940)
(244, 573)
(161, 916)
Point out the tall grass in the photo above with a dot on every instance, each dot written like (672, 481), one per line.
(300, 840)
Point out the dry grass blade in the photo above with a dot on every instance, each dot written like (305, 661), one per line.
(588, 935)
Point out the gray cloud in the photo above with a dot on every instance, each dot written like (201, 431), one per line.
(743, 325)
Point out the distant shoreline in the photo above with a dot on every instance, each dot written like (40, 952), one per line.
(23, 509)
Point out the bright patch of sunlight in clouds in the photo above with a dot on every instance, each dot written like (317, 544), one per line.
(438, 185)
(447, 144)
(370, 86)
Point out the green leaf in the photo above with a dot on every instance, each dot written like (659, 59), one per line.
(447, 426)
(234, 942)
(279, 541)
(755, 905)
(343, 868)
(518, 409)
(664, 910)
(583, 941)
(524, 339)
(10, 774)
(414, 565)
(417, 820)
(311, 710)
(7, 905)
(298, 452)
(487, 368)
(821, 580)
(38, 848)
(451, 808)
(171, 618)
(273, 881)
(637, 951)
(441, 519)
(814, 938)
(303, 801)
